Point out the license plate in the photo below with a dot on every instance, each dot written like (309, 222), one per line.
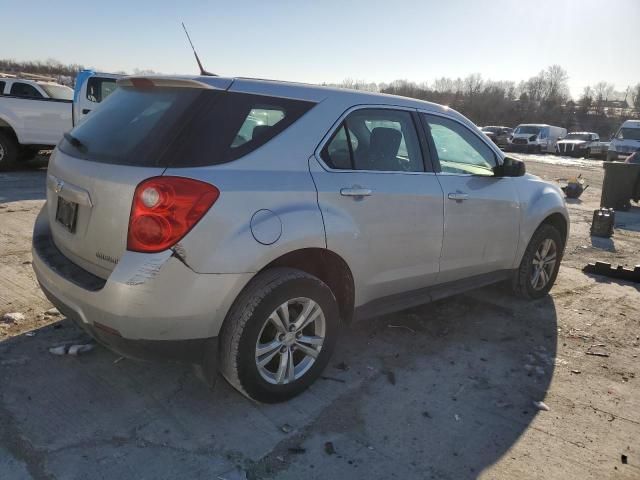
(66, 214)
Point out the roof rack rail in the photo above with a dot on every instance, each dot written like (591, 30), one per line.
(27, 76)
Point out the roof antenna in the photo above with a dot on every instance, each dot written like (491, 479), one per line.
(202, 70)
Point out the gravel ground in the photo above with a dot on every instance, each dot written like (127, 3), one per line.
(448, 394)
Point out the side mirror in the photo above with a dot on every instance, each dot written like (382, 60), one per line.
(510, 168)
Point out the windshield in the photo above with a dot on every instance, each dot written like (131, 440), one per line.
(59, 92)
(578, 136)
(527, 129)
(629, 134)
(490, 129)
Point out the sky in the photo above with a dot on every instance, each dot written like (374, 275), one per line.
(329, 41)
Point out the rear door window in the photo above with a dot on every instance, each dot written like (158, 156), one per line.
(180, 127)
(376, 140)
(20, 89)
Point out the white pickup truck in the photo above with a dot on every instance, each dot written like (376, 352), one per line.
(35, 112)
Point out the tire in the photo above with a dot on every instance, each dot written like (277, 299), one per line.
(8, 151)
(523, 282)
(27, 153)
(587, 153)
(248, 322)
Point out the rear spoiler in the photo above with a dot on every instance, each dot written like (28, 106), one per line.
(210, 83)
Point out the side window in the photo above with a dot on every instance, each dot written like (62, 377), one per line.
(257, 122)
(20, 89)
(375, 139)
(336, 153)
(100, 88)
(459, 150)
(2, 84)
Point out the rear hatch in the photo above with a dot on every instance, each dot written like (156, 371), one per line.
(135, 134)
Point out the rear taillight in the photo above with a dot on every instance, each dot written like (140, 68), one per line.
(164, 209)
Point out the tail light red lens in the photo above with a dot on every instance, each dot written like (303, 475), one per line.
(165, 209)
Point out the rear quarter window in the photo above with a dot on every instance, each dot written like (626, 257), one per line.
(180, 127)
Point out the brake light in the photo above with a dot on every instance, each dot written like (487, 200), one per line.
(165, 209)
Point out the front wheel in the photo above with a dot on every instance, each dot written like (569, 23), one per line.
(8, 151)
(540, 263)
(279, 335)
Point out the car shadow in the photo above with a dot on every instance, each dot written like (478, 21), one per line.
(443, 391)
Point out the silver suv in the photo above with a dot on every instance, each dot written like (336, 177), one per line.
(241, 222)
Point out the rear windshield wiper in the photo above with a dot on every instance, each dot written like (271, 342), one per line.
(74, 141)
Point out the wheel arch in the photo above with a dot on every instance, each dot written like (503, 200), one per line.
(329, 267)
(7, 128)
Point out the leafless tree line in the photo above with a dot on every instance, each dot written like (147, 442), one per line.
(543, 98)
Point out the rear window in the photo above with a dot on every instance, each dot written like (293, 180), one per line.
(58, 92)
(180, 127)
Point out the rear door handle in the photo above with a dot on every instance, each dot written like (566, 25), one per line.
(355, 191)
(458, 196)
(85, 111)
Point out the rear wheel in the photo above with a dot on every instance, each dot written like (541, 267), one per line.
(540, 263)
(279, 335)
(8, 151)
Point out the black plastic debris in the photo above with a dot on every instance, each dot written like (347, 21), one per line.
(605, 269)
(604, 219)
(574, 187)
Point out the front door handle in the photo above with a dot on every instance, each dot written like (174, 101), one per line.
(355, 191)
(85, 111)
(458, 196)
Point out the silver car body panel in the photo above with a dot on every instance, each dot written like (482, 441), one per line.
(280, 198)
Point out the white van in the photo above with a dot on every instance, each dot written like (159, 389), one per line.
(625, 142)
(91, 88)
(536, 138)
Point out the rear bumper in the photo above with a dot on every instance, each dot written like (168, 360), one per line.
(147, 297)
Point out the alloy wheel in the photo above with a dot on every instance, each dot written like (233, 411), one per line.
(544, 263)
(290, 341)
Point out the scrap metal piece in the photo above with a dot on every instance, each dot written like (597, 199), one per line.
(605, 269)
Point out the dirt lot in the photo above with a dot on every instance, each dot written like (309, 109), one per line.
(443, 391)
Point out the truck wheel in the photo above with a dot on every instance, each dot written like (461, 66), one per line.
(587, 153)
(540, 264)
(27, 153)
(8, 151)
(278, 335)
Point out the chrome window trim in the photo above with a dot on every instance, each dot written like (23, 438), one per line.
(338, 124)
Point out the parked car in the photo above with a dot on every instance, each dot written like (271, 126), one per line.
(34, 113)
(91, 89)
(625, 142)
(501, 136)
(163, 231)
(536, 138)
(582, 144)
